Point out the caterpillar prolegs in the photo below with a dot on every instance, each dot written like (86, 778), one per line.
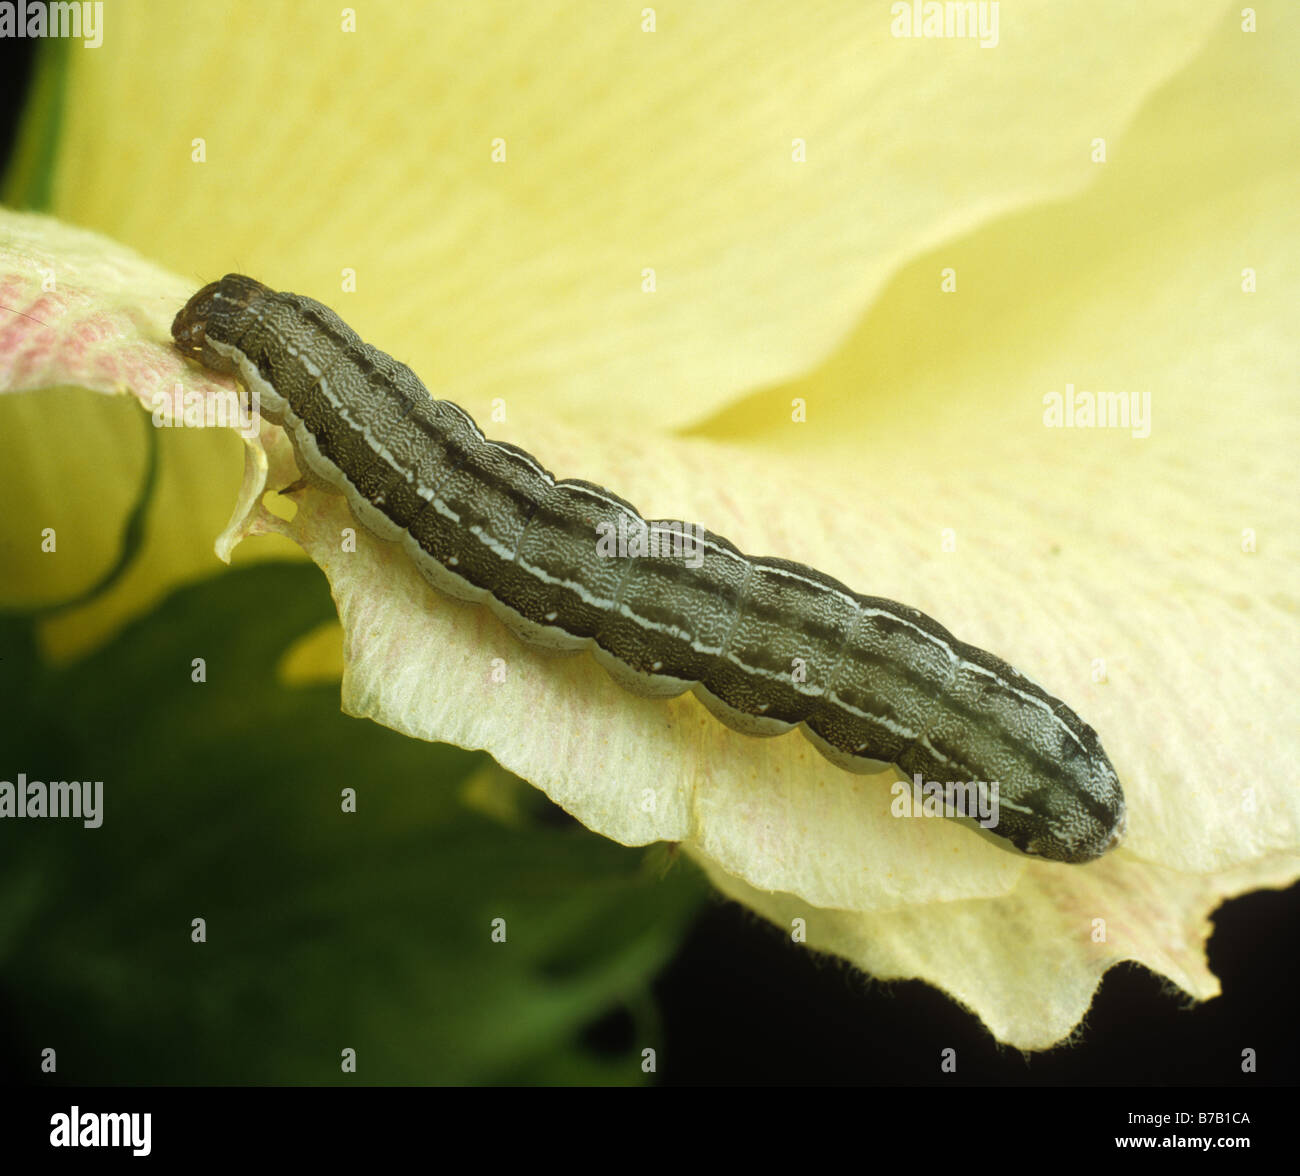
(484, 521)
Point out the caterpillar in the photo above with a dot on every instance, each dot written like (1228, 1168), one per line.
(882, 683)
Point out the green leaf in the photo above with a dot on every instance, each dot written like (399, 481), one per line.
(325, 930)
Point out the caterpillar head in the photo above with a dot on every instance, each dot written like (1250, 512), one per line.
(216, 310)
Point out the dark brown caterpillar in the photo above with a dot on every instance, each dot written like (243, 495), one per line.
(484, 521)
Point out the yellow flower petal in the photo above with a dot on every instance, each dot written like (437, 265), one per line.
(625, 151)
(1028, 964)
(101, 318)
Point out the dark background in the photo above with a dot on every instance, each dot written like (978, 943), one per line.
(741, 1005)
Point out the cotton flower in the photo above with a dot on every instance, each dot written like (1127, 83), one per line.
(820, 288)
